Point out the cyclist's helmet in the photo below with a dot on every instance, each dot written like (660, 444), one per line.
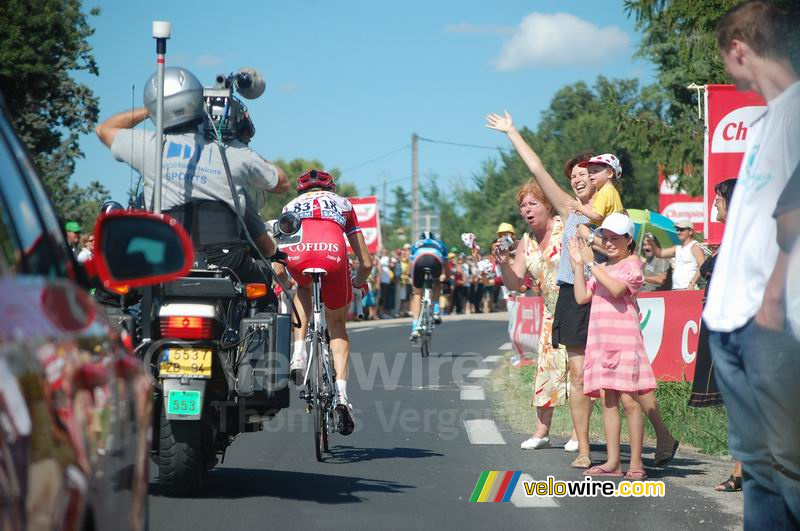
(110, 206)
(183, 97)
(315, 179)
(427, 235)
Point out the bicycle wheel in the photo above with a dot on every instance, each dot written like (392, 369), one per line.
(316, 394)
(327, 415)
(425, 338)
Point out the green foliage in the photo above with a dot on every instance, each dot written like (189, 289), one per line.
(83, 204)
(294, 168)
(42, 43)
(680, 38)
(451, 223)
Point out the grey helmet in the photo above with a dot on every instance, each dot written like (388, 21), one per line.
(183, 97)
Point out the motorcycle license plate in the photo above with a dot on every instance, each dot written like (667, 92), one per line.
(185, 362)
(183, 402)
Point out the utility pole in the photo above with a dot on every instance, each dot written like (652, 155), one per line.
(414, 187)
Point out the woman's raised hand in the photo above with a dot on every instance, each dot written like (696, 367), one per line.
(500, 255)
(499, 123)
(587, 255)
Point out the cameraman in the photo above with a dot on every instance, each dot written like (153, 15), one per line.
(195, 188)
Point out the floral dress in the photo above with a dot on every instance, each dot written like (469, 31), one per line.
(550, 386)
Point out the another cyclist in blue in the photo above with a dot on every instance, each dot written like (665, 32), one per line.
(427, 253)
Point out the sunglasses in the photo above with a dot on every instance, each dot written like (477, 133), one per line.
(681, 229)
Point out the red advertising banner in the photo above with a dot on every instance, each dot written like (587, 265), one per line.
(677, 204)
(366, 209)
(669, 320)
(729, 113)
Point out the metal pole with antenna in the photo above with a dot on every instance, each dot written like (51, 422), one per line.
(161, 32)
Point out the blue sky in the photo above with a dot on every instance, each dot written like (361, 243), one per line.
(349, 81)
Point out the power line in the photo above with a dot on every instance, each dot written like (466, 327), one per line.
(476, 146)
(370, 161)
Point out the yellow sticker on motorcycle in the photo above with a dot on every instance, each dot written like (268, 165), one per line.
(185, 362)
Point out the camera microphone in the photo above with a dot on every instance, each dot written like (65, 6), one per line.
(249, 83)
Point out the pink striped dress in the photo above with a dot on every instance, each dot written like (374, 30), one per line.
(615, 354)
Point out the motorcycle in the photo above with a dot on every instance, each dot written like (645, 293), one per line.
(221, 357)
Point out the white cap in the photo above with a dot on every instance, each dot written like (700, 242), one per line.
(616, 223)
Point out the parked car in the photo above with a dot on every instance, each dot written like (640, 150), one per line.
(75, 404)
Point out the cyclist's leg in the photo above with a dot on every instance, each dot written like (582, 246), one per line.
(416, 307)
(437, 291)
(302, 301)
(417, 279)
(340, 348)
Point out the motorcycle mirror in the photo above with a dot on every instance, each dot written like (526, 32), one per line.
(288, 224)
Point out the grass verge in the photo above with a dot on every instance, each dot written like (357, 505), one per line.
(703, 428)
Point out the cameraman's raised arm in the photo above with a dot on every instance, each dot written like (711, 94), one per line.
(264, 175)
(108, 130)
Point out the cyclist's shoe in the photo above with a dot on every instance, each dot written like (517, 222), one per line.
(297, 368)
(414, 336)
(344, 412)
(437, 318)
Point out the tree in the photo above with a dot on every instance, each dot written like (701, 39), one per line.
(401, 208)
(451, 223)
(42, 44)
(680, 38)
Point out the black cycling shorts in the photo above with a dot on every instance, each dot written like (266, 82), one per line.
(426, 261)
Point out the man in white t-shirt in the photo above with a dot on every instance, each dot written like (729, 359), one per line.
(756, 362)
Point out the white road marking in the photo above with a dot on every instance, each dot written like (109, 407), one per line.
(520, 499)
(355, 331)
(492, 359)
(483, 431)
(472, 392)
(505, 346)
(479, 373)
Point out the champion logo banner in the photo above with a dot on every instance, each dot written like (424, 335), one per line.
(494, 486)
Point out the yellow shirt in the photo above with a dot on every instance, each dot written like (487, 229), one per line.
(607, 201)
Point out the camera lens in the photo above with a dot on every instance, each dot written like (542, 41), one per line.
(244, 80)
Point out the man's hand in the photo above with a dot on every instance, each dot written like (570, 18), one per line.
(772, 314)
(108, 130)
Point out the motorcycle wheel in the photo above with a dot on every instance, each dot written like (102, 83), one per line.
(181, 460)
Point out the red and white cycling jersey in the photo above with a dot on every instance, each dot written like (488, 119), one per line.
(321, 204)
(325, 217)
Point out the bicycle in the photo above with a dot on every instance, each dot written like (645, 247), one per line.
(320, 376)
(425, 325)
(318, 388)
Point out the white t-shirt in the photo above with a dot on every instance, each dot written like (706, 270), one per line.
(749, 248)
(685, 266)
(386, 276)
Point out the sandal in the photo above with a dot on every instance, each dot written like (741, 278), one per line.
(635, 475)
(582, 461)
(732, 484)
(664, 455)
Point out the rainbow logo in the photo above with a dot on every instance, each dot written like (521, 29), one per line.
(495, 486)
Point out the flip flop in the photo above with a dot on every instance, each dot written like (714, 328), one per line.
(599, 471)
(663, 457)
(636, 475)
